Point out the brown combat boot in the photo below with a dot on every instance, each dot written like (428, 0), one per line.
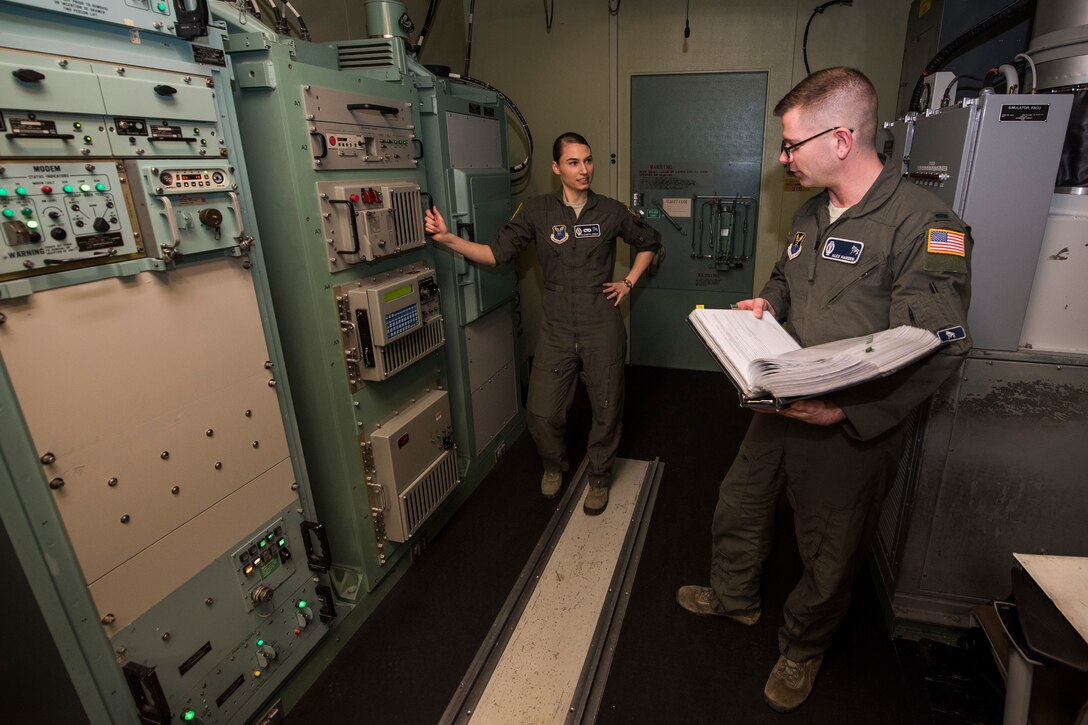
(596, 500)
(551, 484)
(701, 600)
(790, 682)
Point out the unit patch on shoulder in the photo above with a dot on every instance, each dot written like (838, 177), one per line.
(587, 231)
(795, 249)
(559, 233)
(946, 250)
(951, 334)
(843, 250)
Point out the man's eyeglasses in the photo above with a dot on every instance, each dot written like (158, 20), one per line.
(789, 148)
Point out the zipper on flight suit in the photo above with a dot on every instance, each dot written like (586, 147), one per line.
(853, 282)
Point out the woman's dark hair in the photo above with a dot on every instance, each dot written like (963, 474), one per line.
(566, 138)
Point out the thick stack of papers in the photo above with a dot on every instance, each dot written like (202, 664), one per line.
(769, 367)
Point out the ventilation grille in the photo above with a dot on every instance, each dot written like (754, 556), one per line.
(407, 218)
(401, 353)
(378, 53)
(423, 497)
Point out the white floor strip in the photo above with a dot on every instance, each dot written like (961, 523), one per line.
(535, 680)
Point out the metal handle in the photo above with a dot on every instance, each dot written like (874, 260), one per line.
(420, 142)
(28, 75)
(319, 561)
(672, 221)
(171, 251)
(147, 693)
(237, 209)
(61, 136)
(324, 145)
(354, 226)
(165, 90)
(384, 110)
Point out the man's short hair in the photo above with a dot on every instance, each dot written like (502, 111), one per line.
(563, 139)
(838, 96)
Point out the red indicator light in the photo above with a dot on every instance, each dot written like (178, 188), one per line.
(298, 632)
(332, 140)
(355, 198)
(47, 189)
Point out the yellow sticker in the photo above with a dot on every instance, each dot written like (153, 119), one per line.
(792, 184)
(924, 7)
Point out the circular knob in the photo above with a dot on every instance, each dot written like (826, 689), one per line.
(101, 225)
(210, 217)
(58, 233)
(262, 594)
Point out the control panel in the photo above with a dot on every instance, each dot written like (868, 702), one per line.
(389, 321)
(366, 221)
(188, 208)
(262, 564)
(354, 131)
(58, 215)
(171, 17)
(61, 106)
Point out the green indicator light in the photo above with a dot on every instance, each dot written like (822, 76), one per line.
(260, 643)
(301, 603)
(189, 716)
(27, 211)
(203, 142)
(100, 186)
(32, 224)
(77, 125)
(9, 213)
(84, 187)
(269, 537)
(282, 542)
(20, 190)
(87, 139)
(162, 7)
(3, 192)
(263, 544)
(68, 188)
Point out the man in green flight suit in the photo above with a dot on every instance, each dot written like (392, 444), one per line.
(870, 252)
(575, 231)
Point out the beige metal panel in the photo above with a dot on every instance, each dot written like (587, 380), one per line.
(114, 374)
(146, 579)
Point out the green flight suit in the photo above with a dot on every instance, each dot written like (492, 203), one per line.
(581, 329)
(899, 256)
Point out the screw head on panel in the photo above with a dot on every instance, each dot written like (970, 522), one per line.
(48, 458)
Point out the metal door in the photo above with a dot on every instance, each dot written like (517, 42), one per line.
(696, 163)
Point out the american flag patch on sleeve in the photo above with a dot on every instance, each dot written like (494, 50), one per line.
(945, 241)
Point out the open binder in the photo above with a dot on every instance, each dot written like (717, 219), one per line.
(770, 370)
